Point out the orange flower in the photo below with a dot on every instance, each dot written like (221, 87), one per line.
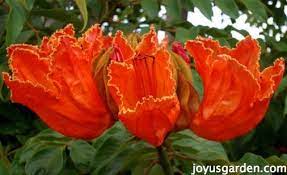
(236, 93)
(141, 83)
(55, 81)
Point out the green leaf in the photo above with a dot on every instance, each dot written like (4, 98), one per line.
(274, 160)
(197, 82)
(15, 22)
(48, 161)
(124, 152)
(174, 11)
(228, 7)
(4, 94)
(257, 8)
(58, 14)
(280, 46)
(284, 157)
(198, 148)
(151, 7)
(82, 154)
(282, 86)
(28, 4)
(156, 170)
(204, 6)
(252, 159)
(285, 106)
(82, 5)
(25, 36)
(3, 19)
(183, 34)
(3, 168)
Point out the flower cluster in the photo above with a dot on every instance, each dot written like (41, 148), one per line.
(79, 87)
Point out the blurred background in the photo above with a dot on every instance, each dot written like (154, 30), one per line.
(27, 147)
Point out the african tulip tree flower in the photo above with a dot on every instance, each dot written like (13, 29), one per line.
(141, 82)
(55, 80)
(236, 93)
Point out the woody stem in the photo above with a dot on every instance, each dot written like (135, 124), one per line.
(164, 161)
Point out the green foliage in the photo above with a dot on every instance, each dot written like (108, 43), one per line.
(27, 147)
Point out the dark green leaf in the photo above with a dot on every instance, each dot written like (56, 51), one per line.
(151, 7)
(280, 46)
(285, 106)
(15, 22)
(274, 160)
(25, 36)
(204, 6)
(252, 159)
(156, 170)
(197, 82)
(48, 161)
(82, 154)
(28, 4)
(257, 8)
(174, 11)
(4, 168)
(198, 148)
(183, 34)
(228, 7)
(282, 86)
(58, 14)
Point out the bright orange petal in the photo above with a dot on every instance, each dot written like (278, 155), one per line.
(236, 94)
(56, 82)
(149, 43)
(122, 84)
(122, 48)
(202, 57)
(214, 46)
(12, 47)
(108, 41)
(152, 119)
(27, 65)
(147, 76)
(229, 96)
(48, 44)
(92, 41)
(144, 89)
(60, 115)
(73, 73)
(247, 52)
(270, 78)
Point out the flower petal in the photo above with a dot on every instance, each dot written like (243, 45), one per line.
(149, 43)
(247, 52)
(122, 84)
(27, 65)
(148, 76)
(214, 46)
(12, 47)
(152, 119)
(92, 41)
(73, 72)
(270, 78)
(57, 113)
(229, 93)
(202, 56)
(48, 44)
(122, 46)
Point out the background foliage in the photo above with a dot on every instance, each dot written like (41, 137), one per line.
(28, 147)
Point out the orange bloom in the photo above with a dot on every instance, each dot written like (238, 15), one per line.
(236, 93)
(55, 81)
(141, 83)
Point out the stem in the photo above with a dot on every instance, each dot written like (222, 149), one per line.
(164, 161)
